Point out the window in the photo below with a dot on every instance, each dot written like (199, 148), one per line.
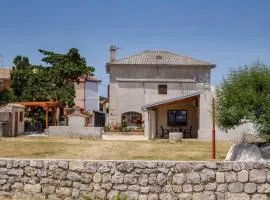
(21, 116)
(132, 118)
(177, 117)
(162, 89)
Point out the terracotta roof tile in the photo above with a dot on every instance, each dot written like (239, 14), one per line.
(5, 73)
(161, 58)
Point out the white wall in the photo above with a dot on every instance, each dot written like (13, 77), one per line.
(91, 95)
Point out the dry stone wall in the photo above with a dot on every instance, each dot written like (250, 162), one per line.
(139, 180)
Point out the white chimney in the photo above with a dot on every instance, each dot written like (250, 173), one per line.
(113, 49)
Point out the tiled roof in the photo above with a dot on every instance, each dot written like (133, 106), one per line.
(90, 78)
(4, 73)
(160, 58)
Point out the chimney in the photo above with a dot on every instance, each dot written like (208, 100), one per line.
(113, 49)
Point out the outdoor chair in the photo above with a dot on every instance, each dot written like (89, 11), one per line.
(163, 132)
(188, 132)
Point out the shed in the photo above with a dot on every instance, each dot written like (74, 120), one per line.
(12, 120)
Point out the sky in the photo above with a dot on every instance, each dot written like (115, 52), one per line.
(228, 33)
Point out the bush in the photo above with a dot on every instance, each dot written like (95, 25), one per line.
(245, 97)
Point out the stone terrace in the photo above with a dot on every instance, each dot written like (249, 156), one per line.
(153, 180)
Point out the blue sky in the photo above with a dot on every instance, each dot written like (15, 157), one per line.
(228, 33)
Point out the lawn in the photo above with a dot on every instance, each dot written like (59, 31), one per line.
(67, 148)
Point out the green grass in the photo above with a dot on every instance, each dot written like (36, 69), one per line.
(67, 148)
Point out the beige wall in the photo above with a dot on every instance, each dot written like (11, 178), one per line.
(192, 116)
(131, 87)
(20, 123)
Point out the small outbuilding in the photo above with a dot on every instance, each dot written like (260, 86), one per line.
(12, 120)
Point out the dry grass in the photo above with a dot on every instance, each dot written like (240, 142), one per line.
(67, 148)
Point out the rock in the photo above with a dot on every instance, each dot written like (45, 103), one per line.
(250, 188)
(97, 177)
(236, 187)
(120, 187)
(74, 176)
(236, 196)
(185, 196)
(100, 194)
(222, 188)
(161, 179)
(134, 188)
(47, 189)
(87, 178)
(207, 176)
(225, 166)
(32, 189)
(230, 177)
(178, 179)
(63, 192)
(76, 166)
(193, 178)
(152, 197)
(247, 152)
(198, 188)
(175, 136)
(130, 179)
(112, 194)
(210, 186)
(259, 197)
(17, 187)
(264, 188)
(209, 195)
(220, 178)
(243, 176)
(90, 167)
(144, 190)
(251, 138)
(118, 178)
(15, 172)
(155, 189)
(167, 196)
(132, 195)
(177, 188)
(187, 188)
(143, 180)
(257, 176)
(143, 197)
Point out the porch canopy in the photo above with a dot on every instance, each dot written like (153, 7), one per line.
(159, 114)
(46, 105)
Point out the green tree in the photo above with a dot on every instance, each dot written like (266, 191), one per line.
(243, 97)
(52, 82)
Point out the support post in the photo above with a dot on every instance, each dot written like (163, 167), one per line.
(47, 117)
(213, 129)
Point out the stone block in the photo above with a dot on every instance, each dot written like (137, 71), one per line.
(237, 196)
(235, 187)
(264, 188)
(76, 166)
(32, 189)
(243, 176)
(175, 136)
(257, 176)
(220, 178)
(230, 177)
(208, 176)
(259, 197)
(179, 179)
(97, 177)
(193, 178)
(250, 188)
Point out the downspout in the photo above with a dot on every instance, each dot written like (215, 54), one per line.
(84, 94)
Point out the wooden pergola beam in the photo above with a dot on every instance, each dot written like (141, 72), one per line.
(46, 105)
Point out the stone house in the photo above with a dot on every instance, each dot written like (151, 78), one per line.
(12, 120)
(163, 90)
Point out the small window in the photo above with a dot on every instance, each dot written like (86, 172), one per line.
(177, 117)
(162, 89)
(21, 116)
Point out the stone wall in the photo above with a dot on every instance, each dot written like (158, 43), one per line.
(73, 131)
(63, 179)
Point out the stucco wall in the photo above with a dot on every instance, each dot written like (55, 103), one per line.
(192, 116)
(75, 131)
(128, 95)
(91, 95)
(74, 179)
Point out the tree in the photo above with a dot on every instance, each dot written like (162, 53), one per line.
(53, 82)
(243, 97)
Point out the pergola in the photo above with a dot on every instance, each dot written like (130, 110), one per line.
(47, 105)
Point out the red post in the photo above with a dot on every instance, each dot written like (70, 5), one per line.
(214, 129)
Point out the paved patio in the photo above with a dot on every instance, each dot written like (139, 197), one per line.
(124, 137)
